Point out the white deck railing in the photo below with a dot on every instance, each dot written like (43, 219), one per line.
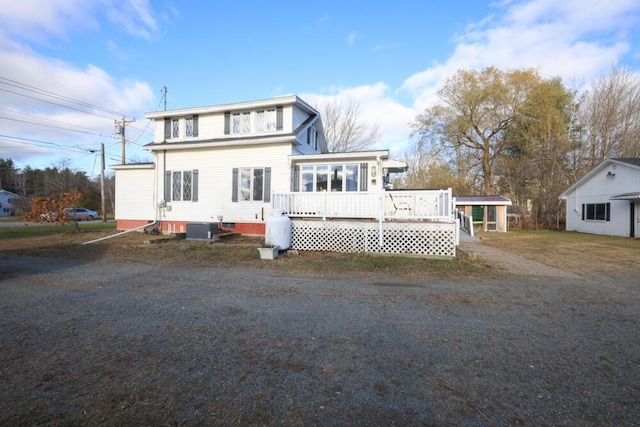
(433, 205)
(466, 223)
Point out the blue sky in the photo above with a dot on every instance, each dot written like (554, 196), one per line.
(389, 56)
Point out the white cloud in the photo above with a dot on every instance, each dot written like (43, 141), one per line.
(568, 39)
(37, 20)
(377, 107)
(25, 106)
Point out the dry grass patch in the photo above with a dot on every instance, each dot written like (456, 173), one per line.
(232, 252)
(582, 254)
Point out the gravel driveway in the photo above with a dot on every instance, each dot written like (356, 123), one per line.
(91, 342)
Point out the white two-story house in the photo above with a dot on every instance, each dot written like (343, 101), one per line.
(234, 164)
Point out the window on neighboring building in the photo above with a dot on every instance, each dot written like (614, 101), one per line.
(596, 212)
(251, 185)
(181, 186)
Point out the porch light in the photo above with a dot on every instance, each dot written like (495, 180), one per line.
(374, 171)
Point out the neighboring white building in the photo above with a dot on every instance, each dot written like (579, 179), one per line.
(606, 200)
(235, 164)
(8, 206)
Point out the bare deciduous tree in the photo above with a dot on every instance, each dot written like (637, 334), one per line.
(611, 117)
(345, 128)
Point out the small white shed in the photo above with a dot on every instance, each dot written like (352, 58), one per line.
(606, 200)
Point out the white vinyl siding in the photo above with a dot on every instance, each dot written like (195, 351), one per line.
(215, 182)
(596, 191)
(139, 204)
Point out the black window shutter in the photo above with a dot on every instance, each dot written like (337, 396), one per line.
(227, 122)
(167, 128)
(296, 178)
(267, 185)
(167, 186)
(279, 118)
(308, 136)
(234, 185)
(364, 176)
(608, 212)
(583, 211)
(194, 186)
(195, 125)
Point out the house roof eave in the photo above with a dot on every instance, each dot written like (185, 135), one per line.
(618, 161)
(221, 142)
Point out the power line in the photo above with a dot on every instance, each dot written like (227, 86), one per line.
(52, 126)
(30, 88)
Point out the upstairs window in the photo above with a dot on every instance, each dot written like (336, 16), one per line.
(265, 121)
(191, 126)
(241, 123)
(312, 137)
(175, 128)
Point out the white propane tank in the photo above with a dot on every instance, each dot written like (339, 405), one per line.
(278, 230)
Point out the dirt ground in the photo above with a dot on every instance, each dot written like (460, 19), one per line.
(128, 334)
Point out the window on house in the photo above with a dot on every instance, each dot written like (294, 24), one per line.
(265, 121)
(241, 123)
(337, 178)
(596, 212)
(271, 120)
(181, 185)
(322, 178)
(261, 121)
(251, 184)
(312, 137)
(175, 128)
(176, 194)
(342, 177)
(188, 127)
(351, 178)
(306, 172)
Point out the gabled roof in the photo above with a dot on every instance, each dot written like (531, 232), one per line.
(482, 200)
(632, 162)
(9, 192)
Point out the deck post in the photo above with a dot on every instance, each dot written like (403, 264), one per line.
(324, 210)
(380, 220)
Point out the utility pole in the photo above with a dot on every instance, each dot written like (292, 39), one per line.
(120, 130)
(102, 198)
(164, 92)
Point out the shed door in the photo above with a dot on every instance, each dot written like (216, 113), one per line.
(492, 218)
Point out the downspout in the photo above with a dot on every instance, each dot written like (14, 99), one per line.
(120, 233)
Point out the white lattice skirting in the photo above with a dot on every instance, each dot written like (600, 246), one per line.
(418, 238)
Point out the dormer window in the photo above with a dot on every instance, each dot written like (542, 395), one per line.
(265, 120)
(175, 128)
(191, 126)
(240, 123)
